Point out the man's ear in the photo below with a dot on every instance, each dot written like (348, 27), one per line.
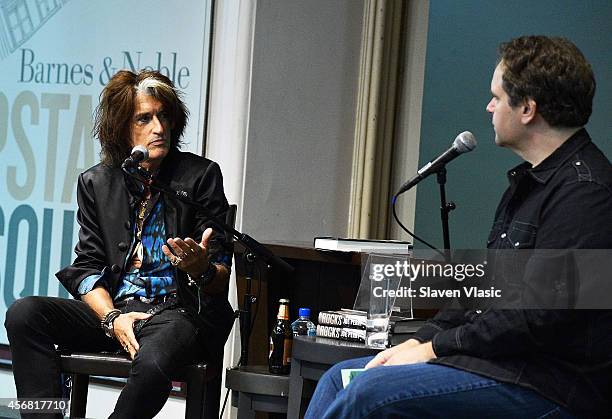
(528, 112)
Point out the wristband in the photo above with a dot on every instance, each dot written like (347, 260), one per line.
(107, 322)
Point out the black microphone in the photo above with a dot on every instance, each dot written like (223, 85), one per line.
(464, 143)
(139, 154)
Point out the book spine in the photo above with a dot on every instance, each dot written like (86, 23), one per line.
(341, 333)
(339, 319)
(331, 318)
(353, 335)
(329, 331)
(355, 321)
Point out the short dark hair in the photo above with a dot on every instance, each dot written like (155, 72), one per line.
(554, 73)
(113, 116)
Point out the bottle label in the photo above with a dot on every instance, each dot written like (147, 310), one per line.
(283, 312)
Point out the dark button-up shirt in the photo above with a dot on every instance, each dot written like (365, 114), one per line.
(565, 355)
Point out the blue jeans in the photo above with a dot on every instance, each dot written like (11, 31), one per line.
(424, 391)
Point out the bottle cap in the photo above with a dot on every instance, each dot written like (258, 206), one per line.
(283, 301)
(304, 312)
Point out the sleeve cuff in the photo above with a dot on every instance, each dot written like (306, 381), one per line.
(447, 342)
(90, 282)
(426, 332)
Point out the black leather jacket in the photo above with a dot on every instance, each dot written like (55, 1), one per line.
(105, 215)
(565, 355)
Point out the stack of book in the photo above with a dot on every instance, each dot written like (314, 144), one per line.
(342, 324)
(350, 325)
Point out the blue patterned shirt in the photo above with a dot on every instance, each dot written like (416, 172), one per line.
(156, 274)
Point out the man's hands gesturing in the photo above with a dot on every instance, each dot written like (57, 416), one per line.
(189, 255)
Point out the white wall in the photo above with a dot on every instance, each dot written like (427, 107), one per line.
(408, 127)
(301, 121)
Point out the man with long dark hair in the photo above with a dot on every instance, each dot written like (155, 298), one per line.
(150, 277)
(513, 363)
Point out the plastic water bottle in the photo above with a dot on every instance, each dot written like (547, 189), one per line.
(303, 326)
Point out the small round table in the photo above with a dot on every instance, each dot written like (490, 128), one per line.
(256, 389)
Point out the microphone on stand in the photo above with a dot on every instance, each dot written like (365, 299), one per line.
(139, 154)
(465, 142)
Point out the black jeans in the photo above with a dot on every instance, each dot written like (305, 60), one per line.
(169, 340)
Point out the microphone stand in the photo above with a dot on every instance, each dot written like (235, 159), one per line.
(245, 314)
(445, 209)
(254, 249)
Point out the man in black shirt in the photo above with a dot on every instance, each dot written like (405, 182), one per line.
(511, 363)
(150, 276)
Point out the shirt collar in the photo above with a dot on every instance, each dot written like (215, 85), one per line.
(550, 165)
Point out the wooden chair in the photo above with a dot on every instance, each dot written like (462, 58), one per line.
(203, 380)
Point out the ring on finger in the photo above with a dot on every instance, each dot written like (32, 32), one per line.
(176, 260)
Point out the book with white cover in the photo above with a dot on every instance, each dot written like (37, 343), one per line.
(397, 247)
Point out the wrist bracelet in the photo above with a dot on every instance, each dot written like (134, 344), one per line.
(107, 322)
(110, 316)
(205, 277)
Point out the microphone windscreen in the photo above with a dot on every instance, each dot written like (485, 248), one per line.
(139, 153)
(465, 142)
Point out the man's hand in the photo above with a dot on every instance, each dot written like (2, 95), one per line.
(421, 353)
(100, 301)
(189, 255)
(123, 328)
(193, 258)
(383, 356)
(409, 352)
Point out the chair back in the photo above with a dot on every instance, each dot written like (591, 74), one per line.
(230, 220)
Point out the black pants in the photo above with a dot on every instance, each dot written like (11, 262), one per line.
(168, 341)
